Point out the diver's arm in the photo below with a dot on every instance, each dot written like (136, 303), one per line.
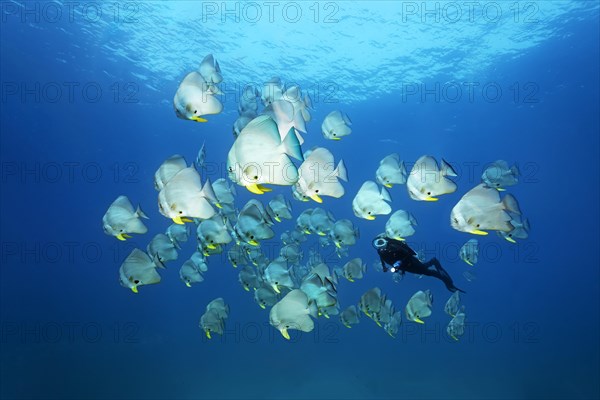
(385, 268)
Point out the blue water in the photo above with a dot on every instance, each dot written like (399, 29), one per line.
(69, 330)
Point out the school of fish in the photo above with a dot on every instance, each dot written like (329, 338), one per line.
(297, 287)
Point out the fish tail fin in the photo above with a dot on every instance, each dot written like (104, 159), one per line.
(341, 171)
(299, 122)
(447, 169)
(312, 309)
(346, 119)
(510, 204)
(291, 145)
(233, 190)
(140, 213)
(208, 192)
(515, 170)
(403, 169)
(385, 195)
(307, 101)
(412, 220)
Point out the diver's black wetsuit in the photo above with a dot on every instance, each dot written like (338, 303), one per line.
(403, 259)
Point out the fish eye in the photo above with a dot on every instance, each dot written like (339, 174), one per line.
(455, 221)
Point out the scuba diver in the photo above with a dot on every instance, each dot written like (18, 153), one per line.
(403, 259)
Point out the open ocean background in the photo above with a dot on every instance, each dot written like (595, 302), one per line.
(69, 330)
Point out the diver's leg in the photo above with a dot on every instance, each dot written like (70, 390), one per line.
(441, 274)
(434, 261)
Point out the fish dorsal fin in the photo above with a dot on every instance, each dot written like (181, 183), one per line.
(483, 193)
(123, 202)
(392, 160)
(322, 270)
(262, 125)
(369, 188)
(322, 156)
